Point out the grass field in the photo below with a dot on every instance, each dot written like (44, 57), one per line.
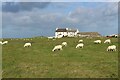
(38, 61)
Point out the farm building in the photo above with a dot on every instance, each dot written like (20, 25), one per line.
(113, 35)
(88, 34)
(66, 32)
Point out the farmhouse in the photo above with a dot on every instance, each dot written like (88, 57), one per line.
(113, 35)
(88, 34)
(66, 32)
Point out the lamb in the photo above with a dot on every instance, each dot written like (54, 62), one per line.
(58, 47)
(64, 44)
(97, 41)
(81, 41)
(80, 45)
(111, 48)
(107, 41)
(27, 44)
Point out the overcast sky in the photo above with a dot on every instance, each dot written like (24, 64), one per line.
(30, 19)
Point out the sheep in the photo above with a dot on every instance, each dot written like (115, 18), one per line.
(97, 41)
(107, 41)
(64, 43)
(5, 42)
(27, 44)
(111, 48)
(58, 47)
(50, 38)
(80, 45)
(80, 41)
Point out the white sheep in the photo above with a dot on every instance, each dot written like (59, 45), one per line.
(111, 48)
(80, 45)
(97, 41)
(5, 42)
(58, 47)
(80, 41)
(107, 41)
(27, 44)
(50, 38)
(64, 43)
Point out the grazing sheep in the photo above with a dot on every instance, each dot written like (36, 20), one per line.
(27, 44)
(64, 44)
(5, 42)
(50, 38)
(97, 41)
(58, 47)
(81, 41)
(80, 45)
(107, 41)
(111, 48)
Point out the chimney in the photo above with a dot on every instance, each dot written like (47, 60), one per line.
(66, 28)
(56, 28)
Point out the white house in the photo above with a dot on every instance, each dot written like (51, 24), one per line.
(66, 32)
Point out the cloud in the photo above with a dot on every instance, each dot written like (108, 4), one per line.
(23, 6)
(37, 22)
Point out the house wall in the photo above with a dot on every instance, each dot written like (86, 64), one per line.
(76, 32)
(88, 35)
(60, 33)
(71, 34)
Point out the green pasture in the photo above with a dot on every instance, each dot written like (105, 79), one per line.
(38, 61)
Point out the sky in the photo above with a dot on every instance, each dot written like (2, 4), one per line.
(31, 19)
